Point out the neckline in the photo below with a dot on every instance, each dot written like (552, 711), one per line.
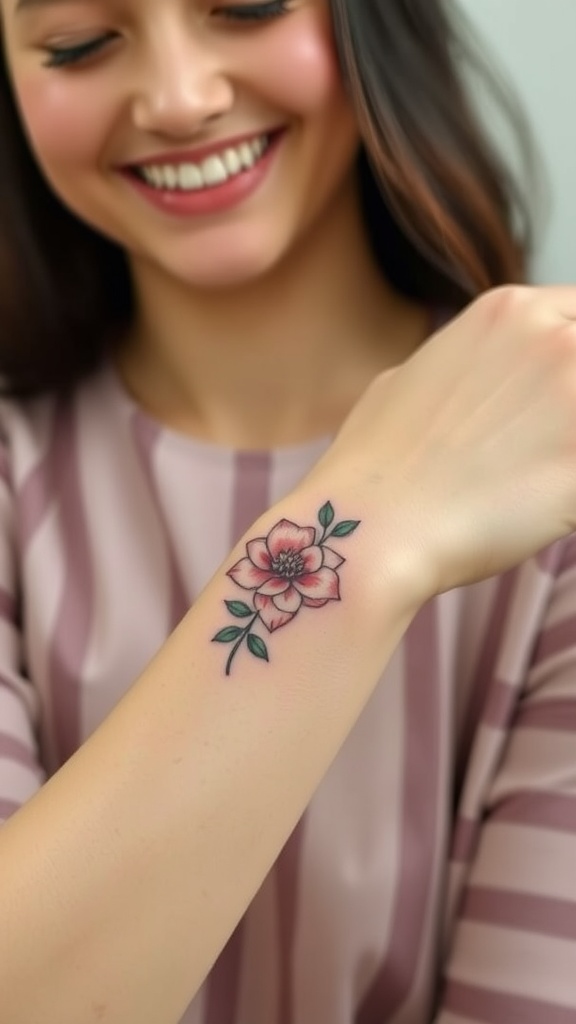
(215, 452)
(201, 448)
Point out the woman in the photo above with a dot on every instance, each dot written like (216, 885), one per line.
(342, 788)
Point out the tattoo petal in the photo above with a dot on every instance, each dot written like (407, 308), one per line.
(248, 575)
(323, 585)
(331, 558)
(289, 601)
(258, 553)
(271, 616)
(276, 585)
(311, 602)
(311, 559)
(287, 536)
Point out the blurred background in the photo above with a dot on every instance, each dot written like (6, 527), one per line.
(533, 42)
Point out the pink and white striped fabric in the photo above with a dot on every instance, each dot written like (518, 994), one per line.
(433, 876)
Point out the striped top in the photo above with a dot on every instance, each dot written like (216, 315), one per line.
(433, 876)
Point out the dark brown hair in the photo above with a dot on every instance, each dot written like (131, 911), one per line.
(439, 203)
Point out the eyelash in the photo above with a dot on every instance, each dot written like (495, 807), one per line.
(255, 12)
(59, 57)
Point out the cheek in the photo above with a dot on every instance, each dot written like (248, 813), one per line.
(300, 65)
(63, 129)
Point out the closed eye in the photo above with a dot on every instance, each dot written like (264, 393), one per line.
(61, 56)
(254, 12)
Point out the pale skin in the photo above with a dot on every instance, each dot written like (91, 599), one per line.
(458, 464)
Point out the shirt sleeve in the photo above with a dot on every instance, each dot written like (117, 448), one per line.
(21, 773)
(513, 956)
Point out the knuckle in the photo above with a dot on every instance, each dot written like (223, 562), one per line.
(504, 301)
(566, 334)
(565, 346)
(561, 350)
(560, 342)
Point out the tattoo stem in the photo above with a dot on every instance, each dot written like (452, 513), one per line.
(239, 641)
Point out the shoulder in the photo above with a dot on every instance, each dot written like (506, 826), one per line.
(25, 429)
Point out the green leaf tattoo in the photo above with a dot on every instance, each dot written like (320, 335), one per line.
(289, 569)
(257, 647)
(346, 528)
(239, 609)
(326, 515)
(226, 636)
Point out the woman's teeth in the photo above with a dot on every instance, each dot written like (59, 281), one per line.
(214, 170)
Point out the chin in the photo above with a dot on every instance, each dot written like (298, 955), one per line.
(227, 269)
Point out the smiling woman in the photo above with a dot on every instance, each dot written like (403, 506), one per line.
(287, 600)
(436, 201)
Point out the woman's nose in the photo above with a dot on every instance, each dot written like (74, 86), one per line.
(183, 87)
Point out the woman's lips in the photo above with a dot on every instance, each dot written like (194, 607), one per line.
(211, 198)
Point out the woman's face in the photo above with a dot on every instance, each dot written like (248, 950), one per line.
(203, 136)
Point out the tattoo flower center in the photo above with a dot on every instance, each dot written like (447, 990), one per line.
(288, 564)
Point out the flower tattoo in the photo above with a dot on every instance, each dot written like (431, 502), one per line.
(291, 568)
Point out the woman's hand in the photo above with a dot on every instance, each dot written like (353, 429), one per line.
(466, 454)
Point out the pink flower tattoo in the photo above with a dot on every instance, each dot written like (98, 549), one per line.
(290, 569)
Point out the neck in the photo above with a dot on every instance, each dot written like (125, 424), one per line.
(279, 360)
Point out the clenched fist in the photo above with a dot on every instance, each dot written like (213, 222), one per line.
(462, 461)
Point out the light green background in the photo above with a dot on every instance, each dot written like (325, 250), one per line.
(534, 42)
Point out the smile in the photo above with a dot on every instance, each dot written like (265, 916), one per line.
(216, 169)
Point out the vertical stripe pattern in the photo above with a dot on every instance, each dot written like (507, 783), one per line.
(431, 878)
(418, 824)
(74, 615)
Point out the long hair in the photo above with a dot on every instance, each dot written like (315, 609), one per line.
(443, 214)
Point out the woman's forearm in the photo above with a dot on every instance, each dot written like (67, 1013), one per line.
(121, 881)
